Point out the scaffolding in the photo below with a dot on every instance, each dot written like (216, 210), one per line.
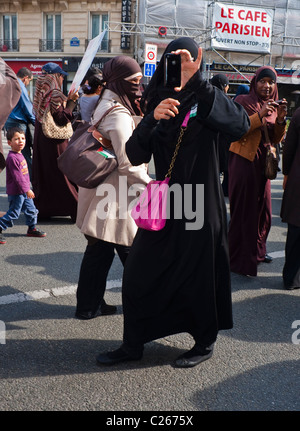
(193, 18)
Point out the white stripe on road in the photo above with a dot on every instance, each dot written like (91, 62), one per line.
(47, 293)
(71, 290)
(277, 254)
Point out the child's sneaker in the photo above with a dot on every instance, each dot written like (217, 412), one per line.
(36, 232)
(2, 239)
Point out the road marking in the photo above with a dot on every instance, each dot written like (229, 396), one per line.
(277, 254)
(71, 290)
(47, 293)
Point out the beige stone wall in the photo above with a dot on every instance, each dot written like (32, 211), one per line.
(75, 23)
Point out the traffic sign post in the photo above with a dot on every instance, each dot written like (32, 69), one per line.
(150, 59)
(149, 69)
(150, 53)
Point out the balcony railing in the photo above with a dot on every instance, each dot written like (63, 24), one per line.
(104, 47)
(9, 45)
(51, 45)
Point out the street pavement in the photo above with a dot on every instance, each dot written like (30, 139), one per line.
(47, 358)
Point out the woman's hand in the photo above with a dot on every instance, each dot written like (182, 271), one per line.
(73, 95)
(271, 106)
(282, 111)
(285, 177)
(273, 151)
(268, 108)
(166, 109)
(188, 66)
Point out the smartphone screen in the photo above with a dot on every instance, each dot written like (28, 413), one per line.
(172, 72)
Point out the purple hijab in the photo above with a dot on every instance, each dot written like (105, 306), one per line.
(251, 102)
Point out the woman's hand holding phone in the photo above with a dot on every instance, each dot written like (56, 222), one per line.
(189, 66)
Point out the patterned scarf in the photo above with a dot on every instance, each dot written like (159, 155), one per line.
(47, 91)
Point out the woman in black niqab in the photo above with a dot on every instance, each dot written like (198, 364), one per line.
(178, 279)
(155, 92)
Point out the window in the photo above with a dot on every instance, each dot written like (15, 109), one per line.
(52, 31)
(9, 41)
(97, 25)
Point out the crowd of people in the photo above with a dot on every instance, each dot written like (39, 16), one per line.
(176, 279)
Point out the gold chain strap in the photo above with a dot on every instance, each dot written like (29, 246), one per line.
(182, 130)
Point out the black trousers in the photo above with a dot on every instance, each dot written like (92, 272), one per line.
(96, 263)
(291, 269)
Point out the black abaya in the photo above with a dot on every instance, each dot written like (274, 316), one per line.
(178, 279)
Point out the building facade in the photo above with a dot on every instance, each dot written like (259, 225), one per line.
(231, 40)
(34, 32)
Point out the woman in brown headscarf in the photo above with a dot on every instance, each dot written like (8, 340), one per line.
(54, 194)
(103, 215)
(249, 190)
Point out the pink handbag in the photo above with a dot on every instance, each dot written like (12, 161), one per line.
(150, 212)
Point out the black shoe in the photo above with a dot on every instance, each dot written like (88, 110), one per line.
(194, 357)
(36, 233)
(116, 357)
(2, 239)
(268, 259)
(104, 310)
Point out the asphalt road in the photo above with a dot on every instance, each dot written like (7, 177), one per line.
(47, 358)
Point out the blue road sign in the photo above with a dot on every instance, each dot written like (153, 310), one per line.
(149, 69)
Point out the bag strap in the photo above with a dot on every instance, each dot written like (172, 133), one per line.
(104, 115)
(182, 130)
(266, 132)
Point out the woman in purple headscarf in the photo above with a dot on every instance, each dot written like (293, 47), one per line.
(249, 190)
(103, 211)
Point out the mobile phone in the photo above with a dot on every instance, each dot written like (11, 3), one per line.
(172, 70)
(280, 102)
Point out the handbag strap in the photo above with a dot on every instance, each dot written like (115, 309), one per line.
(268, 142)
(182, 130)
(104, 115)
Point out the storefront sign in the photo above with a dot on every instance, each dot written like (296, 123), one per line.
(226, 67)
(34, 65)
(243, 29)
(125, 18)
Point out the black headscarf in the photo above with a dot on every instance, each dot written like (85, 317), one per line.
(156, 91)
(114, 73)
(220, 81)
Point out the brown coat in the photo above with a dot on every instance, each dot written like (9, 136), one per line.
(103, 211)
(10, 93)
(248, 144)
